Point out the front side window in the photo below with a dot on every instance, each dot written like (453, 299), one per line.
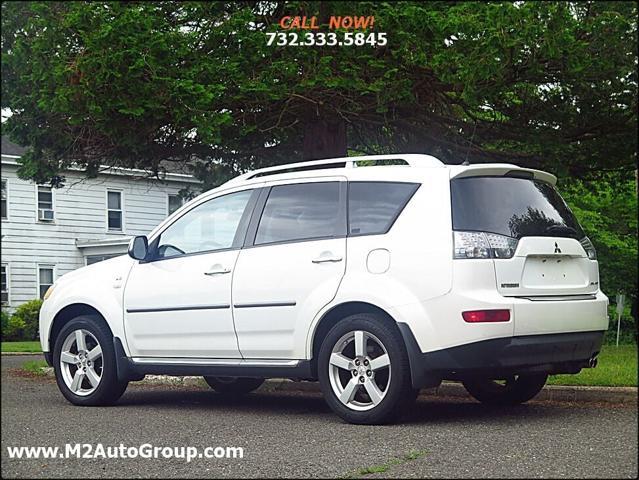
(114, 211)
(374, 206)
(209, 226)
(300, 212)
(45, 203)
(4, 200)
(45, 279)
(4, 285)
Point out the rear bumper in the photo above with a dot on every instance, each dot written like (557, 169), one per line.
(437, 322)
(498, 357)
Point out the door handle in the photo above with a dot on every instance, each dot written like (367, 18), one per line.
(327, 257)
(217, 270)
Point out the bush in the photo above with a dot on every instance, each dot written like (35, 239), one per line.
(13, 330)
(4, 316)
(628, 334)
(28, 313)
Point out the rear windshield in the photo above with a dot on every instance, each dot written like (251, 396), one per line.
(516, 207)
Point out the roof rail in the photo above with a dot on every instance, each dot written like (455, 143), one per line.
(411, 159)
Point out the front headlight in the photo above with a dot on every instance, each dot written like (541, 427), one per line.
(49, 291)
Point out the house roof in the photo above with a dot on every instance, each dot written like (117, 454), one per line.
(105, 242)
(174, 170)
(10, 148)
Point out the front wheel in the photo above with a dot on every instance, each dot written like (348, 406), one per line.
(363, 370)
(234, 385)
(84, 363)
(513, 390)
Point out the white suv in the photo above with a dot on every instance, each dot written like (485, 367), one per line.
(376, 276)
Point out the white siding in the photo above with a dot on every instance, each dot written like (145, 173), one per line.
(80, 215)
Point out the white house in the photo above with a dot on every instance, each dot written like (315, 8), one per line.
(47, 232)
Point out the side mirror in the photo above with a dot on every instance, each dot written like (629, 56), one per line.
(138, 247)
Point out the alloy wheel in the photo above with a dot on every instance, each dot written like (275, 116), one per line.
(359, 370)
(81, 362)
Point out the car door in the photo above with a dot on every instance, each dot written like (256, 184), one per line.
(291, 266)
(178, 303)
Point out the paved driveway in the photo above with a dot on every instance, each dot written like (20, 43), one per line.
(295, 434)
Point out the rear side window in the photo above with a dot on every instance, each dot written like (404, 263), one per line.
(300, 212)
(515, 207)
(373, 207)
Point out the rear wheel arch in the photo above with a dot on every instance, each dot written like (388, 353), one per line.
(338, 313)
(70, 312)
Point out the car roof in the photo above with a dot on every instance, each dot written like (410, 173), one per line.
(385, 167)
(415, 168)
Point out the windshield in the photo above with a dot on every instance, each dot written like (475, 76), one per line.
(516, 207)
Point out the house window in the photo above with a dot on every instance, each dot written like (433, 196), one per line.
(4, 285)
(4, 200)
(45, 204)
(45, 278)
(91, 259)
(114, 211)
(175, 202)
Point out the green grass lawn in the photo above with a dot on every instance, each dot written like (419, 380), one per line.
(35, 367)
(21, 347)
(617, 367)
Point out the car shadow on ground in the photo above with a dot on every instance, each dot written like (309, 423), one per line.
(426, 410)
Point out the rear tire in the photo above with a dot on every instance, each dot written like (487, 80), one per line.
(516, 389)
(84, 363)
(363, 370)
(234, 385)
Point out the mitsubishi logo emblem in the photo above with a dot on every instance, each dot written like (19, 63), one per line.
(557, 249)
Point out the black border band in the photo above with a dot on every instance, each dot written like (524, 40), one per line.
(266, 304)
(177, 309)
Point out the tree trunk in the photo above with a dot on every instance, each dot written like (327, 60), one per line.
(324, 139)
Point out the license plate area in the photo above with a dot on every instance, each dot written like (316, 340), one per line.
(554, 271)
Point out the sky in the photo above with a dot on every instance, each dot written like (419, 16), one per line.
(6, 113)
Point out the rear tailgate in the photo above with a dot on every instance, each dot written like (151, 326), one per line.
(517, 220)
(547, 266)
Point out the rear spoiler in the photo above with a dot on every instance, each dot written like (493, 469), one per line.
(500, 170)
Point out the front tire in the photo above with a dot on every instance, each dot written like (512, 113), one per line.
(511, 391)
(84, 363)
(363, 370)
(234, 385)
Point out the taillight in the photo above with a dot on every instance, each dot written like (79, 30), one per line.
(477, 316)
(589, 248)
(483, 245)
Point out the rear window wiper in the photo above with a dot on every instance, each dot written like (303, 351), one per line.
(561, 230)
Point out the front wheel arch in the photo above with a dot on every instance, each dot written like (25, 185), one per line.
(67, 314)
